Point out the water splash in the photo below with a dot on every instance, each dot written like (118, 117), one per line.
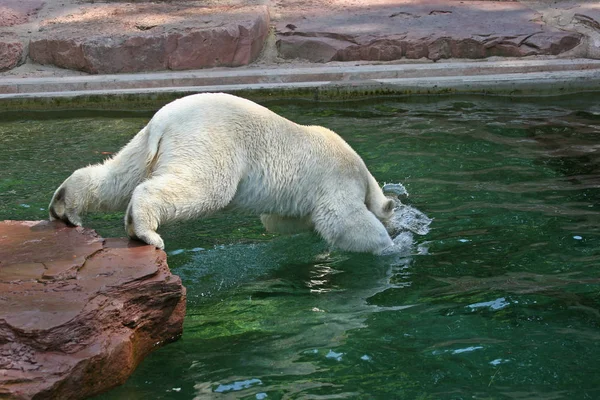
(407, 218)
(396, 189)
(405, 221)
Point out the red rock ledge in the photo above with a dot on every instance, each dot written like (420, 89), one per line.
(78, 312)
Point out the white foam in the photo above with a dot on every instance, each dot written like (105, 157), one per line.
(396, 189)
(407, 218)
(405, 222)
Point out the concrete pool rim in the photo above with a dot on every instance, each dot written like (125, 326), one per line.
(519, 78)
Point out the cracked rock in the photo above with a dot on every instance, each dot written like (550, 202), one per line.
(78, 313)
(414, 29)
(136, 37)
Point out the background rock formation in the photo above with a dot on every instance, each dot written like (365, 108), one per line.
(136, 36)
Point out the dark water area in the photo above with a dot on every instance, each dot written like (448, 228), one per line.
(500, 300)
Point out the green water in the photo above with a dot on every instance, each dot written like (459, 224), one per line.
(499, 301)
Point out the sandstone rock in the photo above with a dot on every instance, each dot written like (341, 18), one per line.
(575, 16)
(11, 51)
(387, 30)
(113, 38)
(16, 12)
(77, 312)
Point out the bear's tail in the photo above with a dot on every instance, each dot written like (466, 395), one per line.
(377, 202)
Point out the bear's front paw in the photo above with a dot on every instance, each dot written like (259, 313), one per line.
(152, 238)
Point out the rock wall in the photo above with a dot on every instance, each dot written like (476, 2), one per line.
(118, 37)
(114, 38)
(434, 30)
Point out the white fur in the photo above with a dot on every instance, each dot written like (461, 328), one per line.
(208, 152)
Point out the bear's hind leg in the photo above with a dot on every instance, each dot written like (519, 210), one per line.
(145, 230)
(143, 215)
(167, 198)
(285, 225)
(352, 229)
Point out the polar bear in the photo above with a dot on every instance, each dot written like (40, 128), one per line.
(214, 151)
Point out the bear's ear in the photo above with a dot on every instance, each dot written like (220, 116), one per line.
(57, 205)
(388, 206)
(60, 196)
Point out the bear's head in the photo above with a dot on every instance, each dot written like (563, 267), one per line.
(66, 204)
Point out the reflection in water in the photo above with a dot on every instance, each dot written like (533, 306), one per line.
(238, 385)
(497, 304)
(297, 300)
(319, 280)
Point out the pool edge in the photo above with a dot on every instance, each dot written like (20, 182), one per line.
(502, 78)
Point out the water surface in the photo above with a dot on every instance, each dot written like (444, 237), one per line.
(500, 300)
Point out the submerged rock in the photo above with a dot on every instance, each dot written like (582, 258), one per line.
(78, 312)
